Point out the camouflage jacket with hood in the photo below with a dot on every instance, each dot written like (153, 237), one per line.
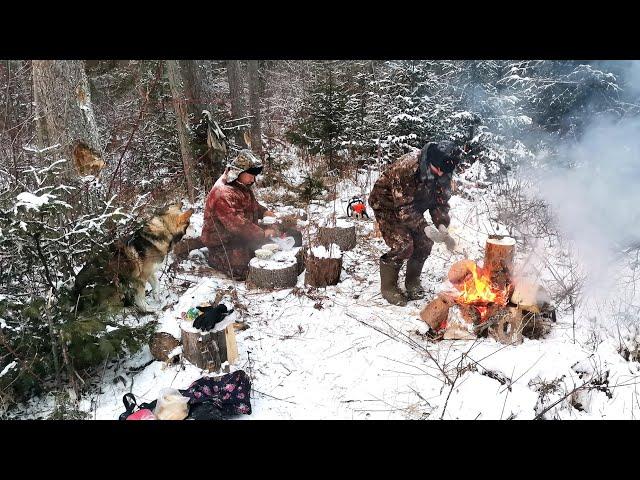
(231, 213)
(407, 189)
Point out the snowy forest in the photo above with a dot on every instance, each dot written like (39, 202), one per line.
(529, 310)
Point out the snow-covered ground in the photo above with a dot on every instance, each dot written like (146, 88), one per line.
(344, 353)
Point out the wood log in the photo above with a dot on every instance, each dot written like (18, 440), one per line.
(268, 275)
(344, 237)
(183, 247)
(498, 260)
(200, 348)
(436, 312)
(321, 272)
(459, 272)
(534, 325)
(458, 328)
(161, 345)
(470, 313)
(209, 350)
(505, 325)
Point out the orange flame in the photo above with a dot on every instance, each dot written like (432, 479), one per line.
(477, 288)
(478, 291)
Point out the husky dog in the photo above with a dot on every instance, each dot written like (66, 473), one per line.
(133, 261)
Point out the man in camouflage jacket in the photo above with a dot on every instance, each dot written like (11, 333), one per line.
(231, 231)
(417, 182)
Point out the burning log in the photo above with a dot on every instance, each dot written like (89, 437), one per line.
(498, 260)
(460, 271)
(436, 312)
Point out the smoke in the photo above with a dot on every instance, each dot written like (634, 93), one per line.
(593, 191)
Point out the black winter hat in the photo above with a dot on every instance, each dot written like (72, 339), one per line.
(444, 155)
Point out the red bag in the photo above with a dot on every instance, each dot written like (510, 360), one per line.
(143, 414)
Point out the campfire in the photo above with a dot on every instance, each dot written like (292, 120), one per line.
(488, 300)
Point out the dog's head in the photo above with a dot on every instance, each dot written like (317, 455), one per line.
(175, 220)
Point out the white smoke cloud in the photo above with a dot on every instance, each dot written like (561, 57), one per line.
(595, 194)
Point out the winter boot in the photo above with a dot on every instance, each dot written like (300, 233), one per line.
(389, 282)
(412, 281)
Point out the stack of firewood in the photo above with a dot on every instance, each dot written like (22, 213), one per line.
(508, 309)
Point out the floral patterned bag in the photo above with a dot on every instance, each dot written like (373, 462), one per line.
(229, 393)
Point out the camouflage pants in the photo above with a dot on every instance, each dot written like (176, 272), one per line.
(237, 258)
(405, 243)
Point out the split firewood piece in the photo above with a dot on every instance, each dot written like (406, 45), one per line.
(505, 325)
(460, 272)
(498, 260)
(162, 345)
(457, 327)
(436, 312)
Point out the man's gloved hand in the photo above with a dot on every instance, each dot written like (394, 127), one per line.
(441, 235)
(210, 316)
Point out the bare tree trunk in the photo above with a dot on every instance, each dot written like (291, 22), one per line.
(254, 107)
(234, 76)
(63, 106)
(199, 96)
(182, 124)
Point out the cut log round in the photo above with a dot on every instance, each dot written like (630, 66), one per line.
(498, 260)
(436, 312)
(344, 237)
(161, 346)
(268, 275)
(321, 272)
(505, 325)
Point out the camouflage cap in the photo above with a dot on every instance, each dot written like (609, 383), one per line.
(245, 160)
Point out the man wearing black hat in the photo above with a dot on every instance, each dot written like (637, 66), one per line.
(417, 182)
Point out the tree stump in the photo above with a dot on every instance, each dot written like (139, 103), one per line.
(344, 237)
(322, 271)
(209, 350)
(505, 325)
(162, 345)
(274, 274)
(498, 260)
